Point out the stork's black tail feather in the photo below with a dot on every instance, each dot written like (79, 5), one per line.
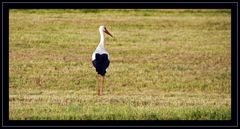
(101, 63)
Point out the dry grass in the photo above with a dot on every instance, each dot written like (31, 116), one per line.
(165, 64)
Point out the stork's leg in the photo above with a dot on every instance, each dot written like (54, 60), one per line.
(102, 85)
(98, 83)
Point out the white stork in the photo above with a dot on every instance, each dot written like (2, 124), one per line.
(100, 58)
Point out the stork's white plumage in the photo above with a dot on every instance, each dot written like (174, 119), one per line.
(100, 48)
(100, 57)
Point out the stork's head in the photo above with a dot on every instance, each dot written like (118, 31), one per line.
(104, 29)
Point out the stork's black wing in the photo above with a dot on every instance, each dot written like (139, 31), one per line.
(101, 63)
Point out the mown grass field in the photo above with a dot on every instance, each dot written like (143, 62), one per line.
(165, 65)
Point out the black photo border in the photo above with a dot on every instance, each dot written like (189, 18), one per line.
(16, 4)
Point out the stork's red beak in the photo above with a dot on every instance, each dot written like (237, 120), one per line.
(107, 32)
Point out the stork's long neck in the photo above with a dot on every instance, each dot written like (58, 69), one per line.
(101, 44)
